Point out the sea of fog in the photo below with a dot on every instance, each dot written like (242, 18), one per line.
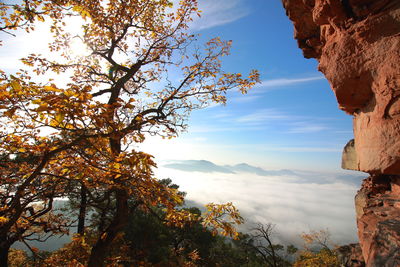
(294, 201)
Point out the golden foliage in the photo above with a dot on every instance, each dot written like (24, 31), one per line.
(317, 251)
(17, 258)
(74, 254)
(222, 219)
(57, 137)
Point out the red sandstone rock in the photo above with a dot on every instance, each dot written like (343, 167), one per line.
(357, 44)
(350, 256)
(378, 213)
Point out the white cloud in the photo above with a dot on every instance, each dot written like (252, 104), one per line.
(304, 149)
(306, 127)
(217, 13)
(222, 115)
(295, 207)
(244, 98)
(344, 132)
(287, 81)
(262, 116)
(213, 128)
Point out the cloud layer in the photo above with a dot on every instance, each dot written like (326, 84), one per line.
(297, 176)
(296, 201)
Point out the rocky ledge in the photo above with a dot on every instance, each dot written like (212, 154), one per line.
(357, 45)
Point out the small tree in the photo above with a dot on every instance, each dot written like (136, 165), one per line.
(261, 242)
(117, 93)
(317, 250)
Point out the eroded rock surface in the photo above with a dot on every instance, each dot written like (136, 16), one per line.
(357, 44)
(350, 256)
(349, 156)
(378, 214)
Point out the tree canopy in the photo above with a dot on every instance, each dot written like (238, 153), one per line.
(142, 75)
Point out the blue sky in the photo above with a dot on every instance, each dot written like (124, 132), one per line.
(289, 121)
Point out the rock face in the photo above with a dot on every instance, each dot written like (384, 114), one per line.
(357, 45)
(378, 214)
(349, 156)
(350, 256)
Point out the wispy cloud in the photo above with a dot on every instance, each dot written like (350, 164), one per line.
(214, 128)
(222, 115)
(263, 116)
(260, 119)
(301, 149)
(217, 13)
(344, 132)
(306, 127)
(244, 98)
(287, 81)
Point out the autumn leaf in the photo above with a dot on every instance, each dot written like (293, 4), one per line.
(80, 136)
(15, 85)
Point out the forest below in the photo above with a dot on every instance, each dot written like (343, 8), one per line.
(148, 240)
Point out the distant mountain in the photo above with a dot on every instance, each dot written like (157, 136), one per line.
(243, 167)
(197, 166)
(208, 167)
(297, 176)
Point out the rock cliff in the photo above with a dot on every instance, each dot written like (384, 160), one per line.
(378, 220)
(357, 45)
(350, 256)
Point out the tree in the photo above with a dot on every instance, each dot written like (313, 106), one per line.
(260, 241)
(152, 241)
(317, 250)
(116, 95)
(148, 241)
(261, 235)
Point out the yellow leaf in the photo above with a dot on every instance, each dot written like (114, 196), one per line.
(117, 165)
(69, 93)
(81, 10)
(15, 85)
(77, 8)
(48, 88)
(59, 117)
(104, 236)
(42, 107)
(54, 123)
(3, 220)
(129, 106)
(40, 18)
(9, 113)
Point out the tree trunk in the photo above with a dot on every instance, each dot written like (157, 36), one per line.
(120, 220)
(4, 249)
(82, 211)
(272, 252)
(101, 248)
